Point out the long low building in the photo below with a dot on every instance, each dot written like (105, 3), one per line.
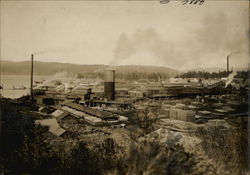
(92, 116)
(91, 111)
(73, 111)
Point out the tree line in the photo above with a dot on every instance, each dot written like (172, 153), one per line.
(207, 75)
(154, 76)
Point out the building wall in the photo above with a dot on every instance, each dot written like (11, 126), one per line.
(180, 114)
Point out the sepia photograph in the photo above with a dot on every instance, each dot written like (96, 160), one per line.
(124, 87)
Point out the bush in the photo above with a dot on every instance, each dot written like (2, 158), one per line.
(151, 158)
(227, 146)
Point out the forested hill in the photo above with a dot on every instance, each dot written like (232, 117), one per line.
(50, 68)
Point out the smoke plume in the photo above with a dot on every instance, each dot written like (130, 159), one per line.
(230, 78)
(234, 53)
(215, 37)
(140, 42)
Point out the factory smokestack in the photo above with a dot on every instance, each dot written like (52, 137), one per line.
(227, 65)
(31, 79)
(109, 84)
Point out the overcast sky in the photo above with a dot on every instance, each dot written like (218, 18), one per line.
(142, 33)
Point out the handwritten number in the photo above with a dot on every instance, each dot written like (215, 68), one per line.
(192, 2)
(185, 1)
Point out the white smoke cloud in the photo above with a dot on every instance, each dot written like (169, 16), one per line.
(230, 78)
(209, 43)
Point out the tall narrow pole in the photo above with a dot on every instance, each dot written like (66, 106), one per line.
(227, 65)
(31, 80)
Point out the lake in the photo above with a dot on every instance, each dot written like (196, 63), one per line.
(10, 81)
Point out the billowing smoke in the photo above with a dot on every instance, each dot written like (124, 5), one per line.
(62, 81)
(230, 78)
(234, 53)
(140, 42)
(218, 32)
(206, 45)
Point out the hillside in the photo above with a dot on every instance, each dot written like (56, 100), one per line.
(50, 68)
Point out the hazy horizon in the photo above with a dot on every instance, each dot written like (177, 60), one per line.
(146, 33)
(212, 69)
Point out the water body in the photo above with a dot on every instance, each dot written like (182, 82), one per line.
(10, 81)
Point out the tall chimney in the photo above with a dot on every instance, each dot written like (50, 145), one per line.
(31, 80)
(228, 65)
(109, 84)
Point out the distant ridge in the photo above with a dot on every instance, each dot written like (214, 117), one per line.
(51, 68)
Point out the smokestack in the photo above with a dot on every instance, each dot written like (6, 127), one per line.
(109, 84)
(227, 65)
(31, 80)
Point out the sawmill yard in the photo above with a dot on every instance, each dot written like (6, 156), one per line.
(70, 127)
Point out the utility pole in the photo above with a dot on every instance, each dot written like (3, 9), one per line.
(227, 65)
(31, 80)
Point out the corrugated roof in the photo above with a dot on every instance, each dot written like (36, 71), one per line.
(91, 111)
(73, 111)
(59, 114)
(53, 125)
